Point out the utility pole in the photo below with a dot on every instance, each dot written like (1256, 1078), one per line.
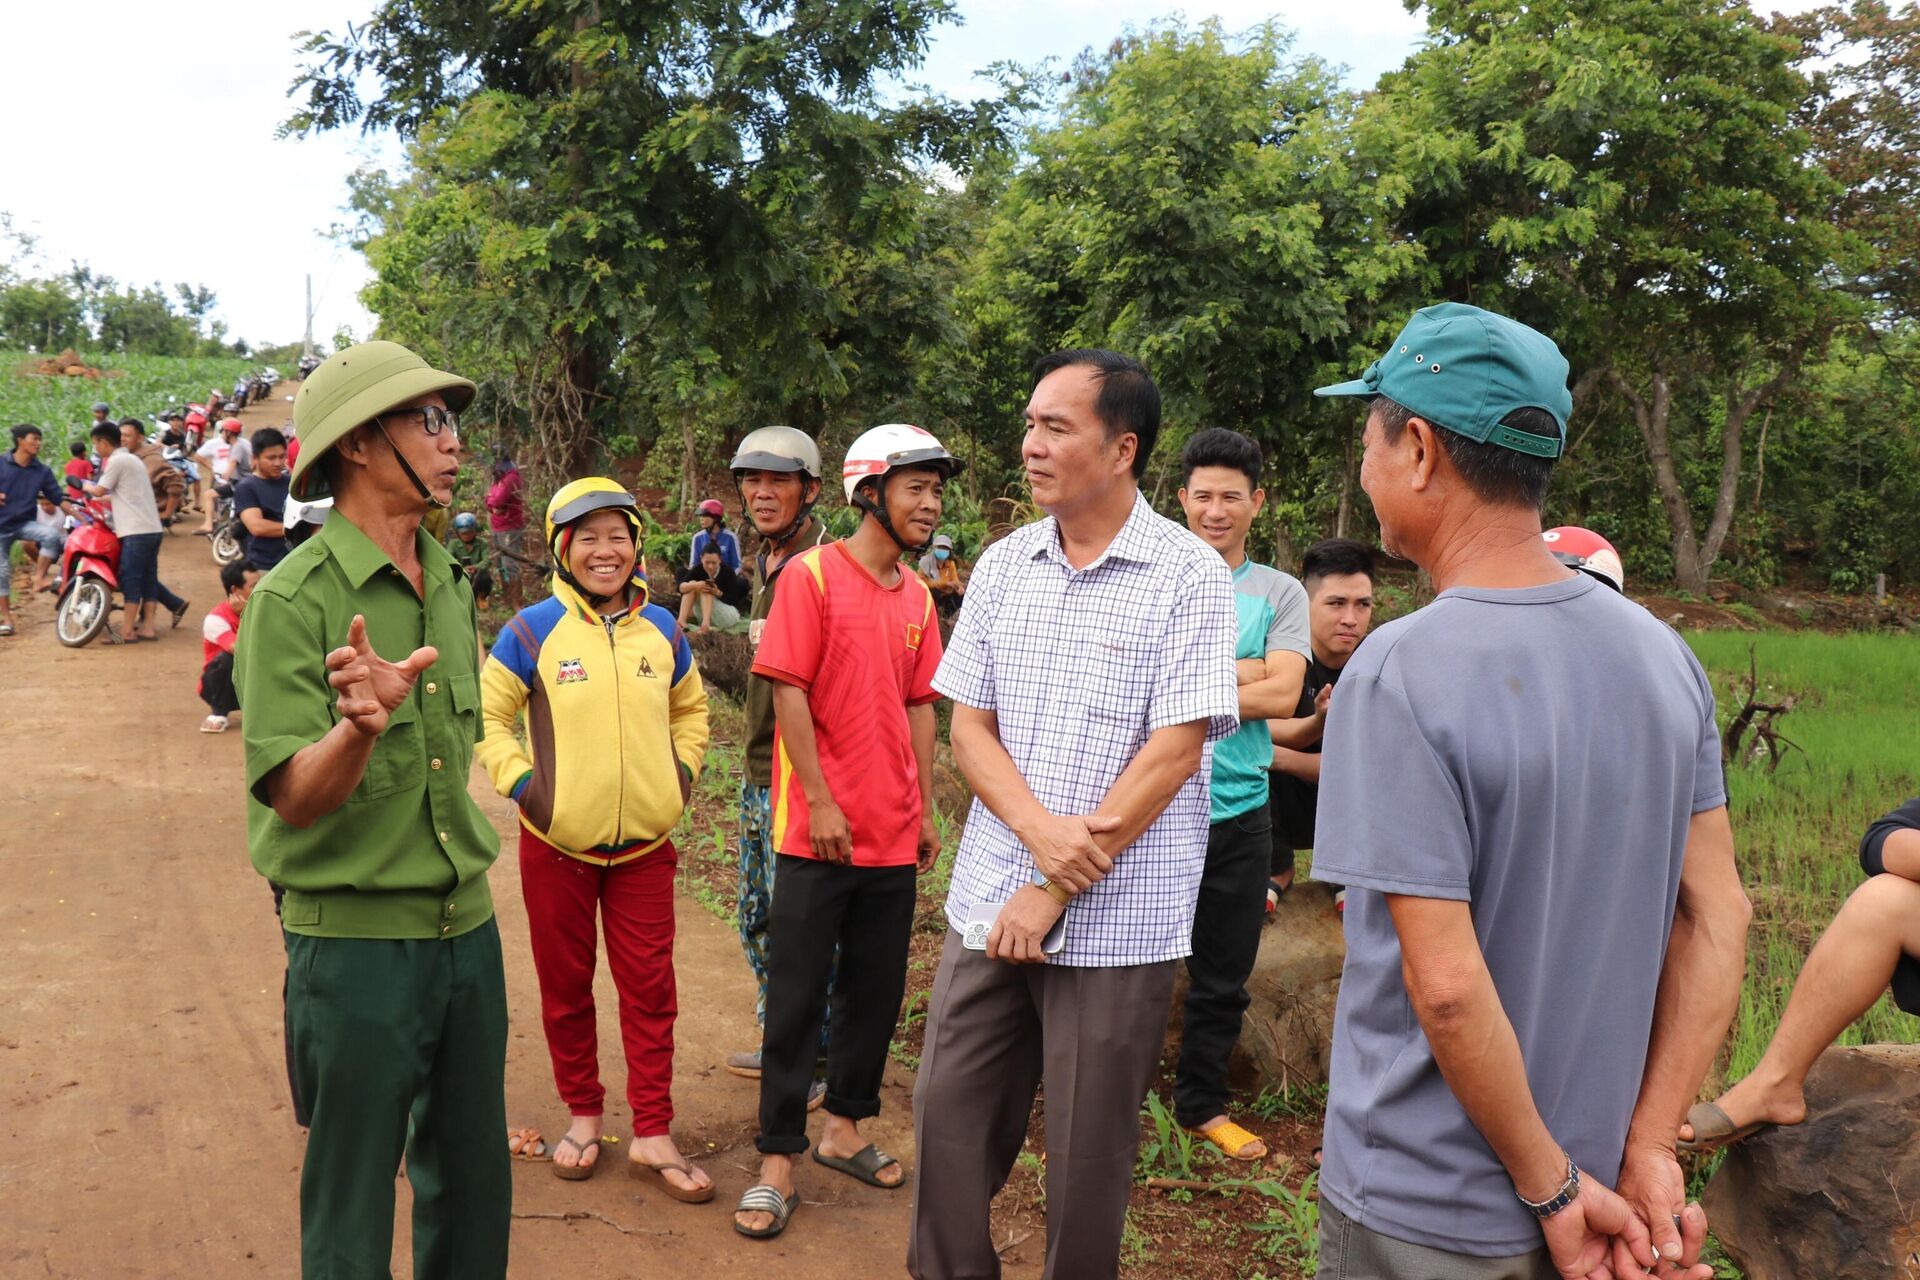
(306, 343)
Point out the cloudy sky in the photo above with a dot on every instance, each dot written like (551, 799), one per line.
(110, 144)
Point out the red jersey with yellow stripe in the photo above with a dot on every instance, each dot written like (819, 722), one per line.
(864, 653)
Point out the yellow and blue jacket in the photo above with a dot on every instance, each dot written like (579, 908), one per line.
(614, 711)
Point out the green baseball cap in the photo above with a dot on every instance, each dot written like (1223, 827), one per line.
(1464, 369)
(353, 386)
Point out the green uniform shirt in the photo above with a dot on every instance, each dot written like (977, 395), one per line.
(407, 855)
(759, 691)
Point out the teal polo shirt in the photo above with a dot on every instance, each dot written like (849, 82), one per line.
(1271, 614)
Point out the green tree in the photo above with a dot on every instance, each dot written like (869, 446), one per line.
(1627, 175)
(638, 216)
(1191, 201)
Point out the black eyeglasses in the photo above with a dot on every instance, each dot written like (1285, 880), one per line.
(433, 418)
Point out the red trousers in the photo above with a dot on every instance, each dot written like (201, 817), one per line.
(635, 904)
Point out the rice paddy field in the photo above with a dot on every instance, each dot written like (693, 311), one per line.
(1856, 720)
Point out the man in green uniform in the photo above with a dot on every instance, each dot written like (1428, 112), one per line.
(358, 664)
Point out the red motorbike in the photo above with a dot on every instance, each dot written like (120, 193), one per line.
(89, 575)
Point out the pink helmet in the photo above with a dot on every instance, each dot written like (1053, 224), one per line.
(1587, 551)
(712, 507)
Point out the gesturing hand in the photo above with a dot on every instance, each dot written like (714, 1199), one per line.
(1656, 1190)
(369, 686)
(1063, 849)
(1581, 1237)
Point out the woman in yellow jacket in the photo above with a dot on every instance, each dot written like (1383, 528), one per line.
(615, 731)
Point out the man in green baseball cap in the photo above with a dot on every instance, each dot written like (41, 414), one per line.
(358, 814)
(1550, 893)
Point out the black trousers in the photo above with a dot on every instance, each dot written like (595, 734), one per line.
(1226, 939)
(216, 685)
(867, 912)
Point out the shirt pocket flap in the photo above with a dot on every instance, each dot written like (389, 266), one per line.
(466, 692)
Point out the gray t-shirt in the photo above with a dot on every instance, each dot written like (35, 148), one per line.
(1536, 753)
(125, 480)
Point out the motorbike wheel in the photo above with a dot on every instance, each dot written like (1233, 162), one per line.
(226, 544)
(82, 614)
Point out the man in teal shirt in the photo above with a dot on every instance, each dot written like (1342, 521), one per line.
(1221, 496)
(358, 814)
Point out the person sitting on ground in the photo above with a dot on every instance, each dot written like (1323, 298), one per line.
(714, 533)
(260, 500)
(169, 486)
(469, 551)
(850, 648)
(217, 636)
(1873, 943)
(23, 477)
(941, 573)
(717, 591)
(1338, 574)
(616, 732)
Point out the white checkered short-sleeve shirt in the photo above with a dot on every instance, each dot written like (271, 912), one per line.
(1080, 666)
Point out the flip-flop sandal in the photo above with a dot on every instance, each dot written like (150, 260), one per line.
(577, 1172)
(864, 1164)
(816, 1095)
(1233, 1142)
(658, 1173)
(762, 1198)
(6, 628)
(523, 1143)
(1714, 1129)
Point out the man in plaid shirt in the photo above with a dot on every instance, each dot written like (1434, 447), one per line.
(1091, 670)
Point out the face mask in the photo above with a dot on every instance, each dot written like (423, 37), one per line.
(941, 553)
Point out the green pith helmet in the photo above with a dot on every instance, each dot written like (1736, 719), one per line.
(353, 386)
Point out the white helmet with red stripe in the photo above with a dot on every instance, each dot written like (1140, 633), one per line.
(1587, 551)
(897, 444)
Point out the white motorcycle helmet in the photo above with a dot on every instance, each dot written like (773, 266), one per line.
(882, 450)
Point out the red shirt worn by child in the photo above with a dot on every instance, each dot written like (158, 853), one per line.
(218, 632)
(864, 653)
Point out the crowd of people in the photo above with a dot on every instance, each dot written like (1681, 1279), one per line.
(1517, 788)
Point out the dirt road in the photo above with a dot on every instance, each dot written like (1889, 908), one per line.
(145, 1124)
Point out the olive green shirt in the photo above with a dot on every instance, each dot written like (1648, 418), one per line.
(759, 690)
(407, 855)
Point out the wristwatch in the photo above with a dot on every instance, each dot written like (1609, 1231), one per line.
(1058, 892)
(1568, 1193)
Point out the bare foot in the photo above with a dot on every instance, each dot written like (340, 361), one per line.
(840, 1139)
(585, 1130)
(775, 1172)
(660, 1152)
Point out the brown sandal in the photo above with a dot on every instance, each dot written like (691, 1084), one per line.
(658, 1173)
(522, 1143)
(582, 1171)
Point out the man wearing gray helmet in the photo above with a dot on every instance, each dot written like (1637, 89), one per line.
(777, 471)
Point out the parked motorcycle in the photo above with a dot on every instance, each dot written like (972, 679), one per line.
(89, 575)
(229, 535)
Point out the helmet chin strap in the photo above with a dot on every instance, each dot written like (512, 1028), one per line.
(878, 510)
(407, 467)
(792, 531)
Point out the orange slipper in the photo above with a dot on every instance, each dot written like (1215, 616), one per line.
(1232, 1141)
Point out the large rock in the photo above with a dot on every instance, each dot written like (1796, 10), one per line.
(1837, 1197)
(1288, 1032)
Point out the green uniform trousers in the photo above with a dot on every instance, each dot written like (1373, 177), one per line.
(392, 1035)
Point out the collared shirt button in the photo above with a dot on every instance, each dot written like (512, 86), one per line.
(446, 929)
(450, 907)
(444, 837)
(432, 687)
(434, 763)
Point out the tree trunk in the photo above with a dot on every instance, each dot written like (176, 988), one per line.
(1344, 512)
(1693, 556)
(689, 463)
(1650, 415)
(1760, 458)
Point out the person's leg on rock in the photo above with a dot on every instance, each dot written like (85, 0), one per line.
(1845, 973)
(562, 898)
